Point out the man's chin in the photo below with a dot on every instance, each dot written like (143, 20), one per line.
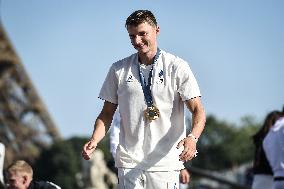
(142, 51)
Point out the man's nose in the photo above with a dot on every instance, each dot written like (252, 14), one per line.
(136, 40)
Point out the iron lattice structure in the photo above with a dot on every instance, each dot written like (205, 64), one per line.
(25, 124)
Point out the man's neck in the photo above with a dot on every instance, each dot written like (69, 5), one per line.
(147, 58)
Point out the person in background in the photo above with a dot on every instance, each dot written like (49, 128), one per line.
(273, 145)
(114, 141)
(2, 186)
(262, 172)
(151, 88)
(2, 157)
(20, 176)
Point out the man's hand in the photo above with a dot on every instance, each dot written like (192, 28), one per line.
(184, 176)
(189, 150)
(88, 149)
(101, 126)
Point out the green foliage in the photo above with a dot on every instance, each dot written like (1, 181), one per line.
(224, 145)
(62, 161)
(58, 164)
(104, 145)
(77, 144)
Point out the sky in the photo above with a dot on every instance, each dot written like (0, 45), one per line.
(235, 49)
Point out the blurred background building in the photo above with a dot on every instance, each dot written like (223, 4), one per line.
(25, 124)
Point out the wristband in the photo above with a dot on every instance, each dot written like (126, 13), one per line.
(192, 136)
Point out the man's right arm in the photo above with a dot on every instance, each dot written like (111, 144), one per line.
(102, 124)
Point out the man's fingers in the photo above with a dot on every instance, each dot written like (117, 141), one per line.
(85, 155)
(90, 146)
(180, 144)
(88, 150)
(187, 155)
(185, 179)
(184, 155)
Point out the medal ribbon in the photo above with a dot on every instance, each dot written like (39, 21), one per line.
(147, 88)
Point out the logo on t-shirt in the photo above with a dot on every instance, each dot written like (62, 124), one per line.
(161, 76)
(130, 79)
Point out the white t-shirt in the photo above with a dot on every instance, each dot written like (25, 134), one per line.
(142, 144)
(273, 145)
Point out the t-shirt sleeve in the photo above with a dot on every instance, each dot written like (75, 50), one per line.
(187, 85)
(109, 89)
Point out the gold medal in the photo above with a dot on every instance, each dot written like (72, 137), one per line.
(152, 113)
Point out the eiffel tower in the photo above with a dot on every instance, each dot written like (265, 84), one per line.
(25, 124)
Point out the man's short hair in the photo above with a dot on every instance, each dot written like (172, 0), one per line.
(139, 17)
(20, 167)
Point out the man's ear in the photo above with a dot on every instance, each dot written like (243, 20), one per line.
(25, 179)
(158, 30)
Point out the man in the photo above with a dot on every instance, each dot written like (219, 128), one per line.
(20, 176)
(150, 87)
(273, 145)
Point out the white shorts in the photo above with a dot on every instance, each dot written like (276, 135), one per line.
(139, 179)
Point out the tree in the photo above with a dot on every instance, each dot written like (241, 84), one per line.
(58, 164)
(224, 145)
(62, 161)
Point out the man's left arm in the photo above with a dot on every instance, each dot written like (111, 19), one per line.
(184, 176)
(198, 123)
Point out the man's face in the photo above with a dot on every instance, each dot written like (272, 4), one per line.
(16, 181)
(143, 37)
